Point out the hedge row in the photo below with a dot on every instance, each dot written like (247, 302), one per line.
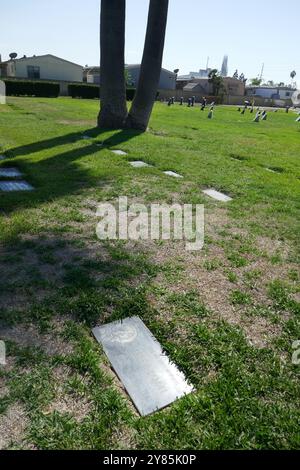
(52, 90)
(32, 88)
(92, 91)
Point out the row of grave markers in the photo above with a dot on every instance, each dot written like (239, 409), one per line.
(149, 377)
(213, 193)
(260, 115)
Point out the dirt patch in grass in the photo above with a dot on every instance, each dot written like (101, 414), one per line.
(124, 438)
(260, 332)
(4, 390)
(206, 271)
(29, 336)
(13, 424)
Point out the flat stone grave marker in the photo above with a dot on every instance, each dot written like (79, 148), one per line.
(86, 137)
(9, 186)
(139, 164)
(172, 173)
(150, 378)
(10, 172)
(119, 152)
(217, 195)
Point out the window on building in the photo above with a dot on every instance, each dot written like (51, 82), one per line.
(33, 72)
(287, 93)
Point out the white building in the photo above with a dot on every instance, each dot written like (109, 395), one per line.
(271, 93)
(43, 67)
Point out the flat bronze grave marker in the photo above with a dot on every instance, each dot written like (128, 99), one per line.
(151, 380)
(10, 172)
(9, 186)
(217, 195)
(119, 152)
(139, 164)
(172, 173)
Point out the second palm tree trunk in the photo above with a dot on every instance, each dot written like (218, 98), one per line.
(113, 111)
(143, 102)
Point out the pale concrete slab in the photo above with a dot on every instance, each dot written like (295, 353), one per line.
(10, 172)
(217, 195)
(9, 186)
(139, 164)
(173, 174)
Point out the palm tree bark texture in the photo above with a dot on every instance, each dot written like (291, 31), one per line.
(141, 109)
(113, 110)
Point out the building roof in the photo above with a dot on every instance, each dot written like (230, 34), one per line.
(191, 86)
(38, 57)
(196, 85)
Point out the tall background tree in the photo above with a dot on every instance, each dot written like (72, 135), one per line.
(256, 81)
(141, 109)
(216, 81)
(113, 110)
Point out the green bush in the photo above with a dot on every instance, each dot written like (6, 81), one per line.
(84, 91)
(32, 88)
(92, 91)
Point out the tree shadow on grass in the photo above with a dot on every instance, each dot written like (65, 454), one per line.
(54, 276)
(59, 175)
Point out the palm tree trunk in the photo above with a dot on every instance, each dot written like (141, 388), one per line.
(143, 102)
(113, 111)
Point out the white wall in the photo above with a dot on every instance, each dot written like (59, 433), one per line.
(50, 69)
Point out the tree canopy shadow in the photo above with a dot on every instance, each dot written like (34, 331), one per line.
(58, 175)
(53, 276)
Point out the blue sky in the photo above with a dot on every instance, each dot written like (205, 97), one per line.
(250, 33)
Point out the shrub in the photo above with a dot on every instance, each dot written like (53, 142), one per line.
(83, 91)
(93, 91)
(32, 88)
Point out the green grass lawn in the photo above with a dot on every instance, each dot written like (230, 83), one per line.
(227, 315)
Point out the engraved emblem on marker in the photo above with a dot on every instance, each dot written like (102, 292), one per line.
(122, 334)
